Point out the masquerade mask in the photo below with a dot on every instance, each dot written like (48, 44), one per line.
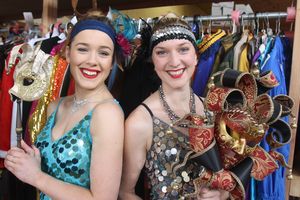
(242, 118)
(32, 74)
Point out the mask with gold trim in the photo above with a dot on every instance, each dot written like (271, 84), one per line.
(205, 152)
(242, 118)
(32, 74)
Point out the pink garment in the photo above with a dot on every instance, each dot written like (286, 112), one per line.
(55, 50)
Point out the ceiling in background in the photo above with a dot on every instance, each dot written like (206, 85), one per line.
(13, 9)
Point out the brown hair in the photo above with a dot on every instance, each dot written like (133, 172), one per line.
(96, 15)
(170, 19)
(118, 56)
(161, 31)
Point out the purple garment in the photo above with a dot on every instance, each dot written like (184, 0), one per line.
(255, 57)
(204, 68)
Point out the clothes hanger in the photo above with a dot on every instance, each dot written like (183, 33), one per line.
(202, 29)
(208, 30)
(264, 35)
(243, 23)
(149, 21)
(195, 27)
(254, 25)
(140, 25)
(235, 15)
(269, 29)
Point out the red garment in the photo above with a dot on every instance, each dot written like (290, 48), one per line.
(0, 88)
(61, 69)
(6, 111)
(71, 88)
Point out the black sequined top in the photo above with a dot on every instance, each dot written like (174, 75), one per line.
(168, 169)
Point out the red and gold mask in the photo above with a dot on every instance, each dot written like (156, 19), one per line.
(243, 114)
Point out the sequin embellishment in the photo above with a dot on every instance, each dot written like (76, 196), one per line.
(169, 178)
(67, 158)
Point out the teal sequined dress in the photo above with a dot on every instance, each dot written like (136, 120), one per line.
(69, 157)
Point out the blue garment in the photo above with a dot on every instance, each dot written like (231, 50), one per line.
(263, 56)
(204, 68)
(67, 158)
(273, 186)
(288, 54)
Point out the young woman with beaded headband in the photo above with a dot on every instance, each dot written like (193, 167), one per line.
(153, 138)
(78, 154)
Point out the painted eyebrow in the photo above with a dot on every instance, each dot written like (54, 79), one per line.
(85, 44)
(181, 44)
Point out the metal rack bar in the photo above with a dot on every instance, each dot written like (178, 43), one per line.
(267, 15)
(243, 16)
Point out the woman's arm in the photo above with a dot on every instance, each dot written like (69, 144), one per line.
(138, 130)
(107, 129)
(207, 194)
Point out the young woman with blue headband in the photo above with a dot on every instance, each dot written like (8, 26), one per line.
(78, 154)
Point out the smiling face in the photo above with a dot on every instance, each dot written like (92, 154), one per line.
(174, 62)
(90, 56)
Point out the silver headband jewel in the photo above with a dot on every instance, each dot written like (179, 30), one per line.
(172, 32)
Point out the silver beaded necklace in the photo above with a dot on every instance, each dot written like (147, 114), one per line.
(77, 104)
(172, 116)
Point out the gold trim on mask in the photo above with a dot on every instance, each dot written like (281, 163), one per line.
(33, 74)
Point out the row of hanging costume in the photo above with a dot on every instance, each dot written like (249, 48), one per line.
(5, 47)
(269, 58)
(7, 181)
(36, 73)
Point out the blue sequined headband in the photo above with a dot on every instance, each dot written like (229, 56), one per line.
(92, 24)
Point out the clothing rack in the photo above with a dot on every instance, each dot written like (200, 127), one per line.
(252, 16)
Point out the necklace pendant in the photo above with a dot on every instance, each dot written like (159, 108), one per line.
(78, 104)
(74, 108)
(169, 131)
